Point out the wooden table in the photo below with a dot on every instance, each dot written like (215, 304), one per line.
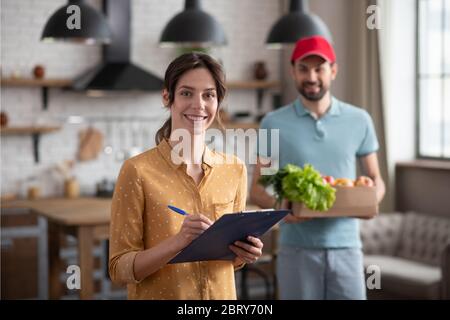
(85, 218)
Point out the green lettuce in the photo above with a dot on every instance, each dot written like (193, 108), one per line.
(301, 185)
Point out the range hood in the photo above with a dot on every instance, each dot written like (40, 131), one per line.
(116, 72)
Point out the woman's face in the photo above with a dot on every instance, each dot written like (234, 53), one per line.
(195, 101)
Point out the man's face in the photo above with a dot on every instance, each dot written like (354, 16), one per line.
(312, 76)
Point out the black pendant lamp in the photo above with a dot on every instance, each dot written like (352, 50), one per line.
(193, 27)
(93, 28)
(298, 23)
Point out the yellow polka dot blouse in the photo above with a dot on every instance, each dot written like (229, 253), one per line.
(140, 219)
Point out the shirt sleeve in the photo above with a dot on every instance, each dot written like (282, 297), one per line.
(240, 200)
(369, 144)
(126, 228)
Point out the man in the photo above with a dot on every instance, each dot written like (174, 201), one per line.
(320, 258)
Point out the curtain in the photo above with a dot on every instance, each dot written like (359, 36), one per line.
(364, 76)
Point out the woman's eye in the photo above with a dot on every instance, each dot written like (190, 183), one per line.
(185, 93)
(210, 95)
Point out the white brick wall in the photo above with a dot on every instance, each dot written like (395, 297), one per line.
(246, 23)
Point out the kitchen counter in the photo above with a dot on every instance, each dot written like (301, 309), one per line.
(69, 212)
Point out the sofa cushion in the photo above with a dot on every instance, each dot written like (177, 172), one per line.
(424, 238)
(381, 235)
(406, 278)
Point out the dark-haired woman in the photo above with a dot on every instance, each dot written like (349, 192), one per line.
(144, 234)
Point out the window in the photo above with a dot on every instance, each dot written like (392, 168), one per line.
(433, 78)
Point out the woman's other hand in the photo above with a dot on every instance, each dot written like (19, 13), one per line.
(247, 252)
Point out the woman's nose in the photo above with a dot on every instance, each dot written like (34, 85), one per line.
(199, 103)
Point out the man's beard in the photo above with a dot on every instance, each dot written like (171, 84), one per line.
(312, 96)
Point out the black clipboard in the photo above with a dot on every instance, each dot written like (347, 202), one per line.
(213, 243)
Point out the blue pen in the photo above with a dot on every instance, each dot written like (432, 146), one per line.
(178, 210)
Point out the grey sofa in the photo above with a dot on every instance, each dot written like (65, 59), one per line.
(412, 252)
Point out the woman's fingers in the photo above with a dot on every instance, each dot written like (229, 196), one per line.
(243, 254)
(256, 241)
(248, 252)
(198, 218)
(197, 222)
(251, 248)
(193, 226)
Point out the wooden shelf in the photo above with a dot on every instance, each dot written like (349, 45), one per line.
(35, 133)
(43, 84)
(30, 82)
(27, 130)
(259, 86)
(253, 84)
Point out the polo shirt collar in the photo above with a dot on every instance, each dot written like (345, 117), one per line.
(302, 111)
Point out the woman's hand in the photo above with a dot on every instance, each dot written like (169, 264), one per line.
(247, 252)
(192, 227)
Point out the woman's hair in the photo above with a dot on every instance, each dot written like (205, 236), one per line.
(176, 69)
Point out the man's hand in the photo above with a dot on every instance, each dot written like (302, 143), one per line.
(290, 218)
(371, 168)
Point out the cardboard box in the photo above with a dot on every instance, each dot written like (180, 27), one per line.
(358, 202)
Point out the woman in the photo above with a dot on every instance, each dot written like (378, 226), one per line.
(145, 234)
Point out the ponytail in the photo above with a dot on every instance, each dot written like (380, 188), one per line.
(164, 131)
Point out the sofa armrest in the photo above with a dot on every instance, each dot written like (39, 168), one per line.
(445, 265)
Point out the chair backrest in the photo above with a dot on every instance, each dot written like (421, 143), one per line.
(424, 238)
(381, 234)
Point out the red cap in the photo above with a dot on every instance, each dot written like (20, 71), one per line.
(315, 45)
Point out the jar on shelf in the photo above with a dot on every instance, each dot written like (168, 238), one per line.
(260, 70)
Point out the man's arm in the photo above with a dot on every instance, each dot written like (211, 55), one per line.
(371, 169)
(258, 194)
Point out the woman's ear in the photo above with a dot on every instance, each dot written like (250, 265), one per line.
(165, 97)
